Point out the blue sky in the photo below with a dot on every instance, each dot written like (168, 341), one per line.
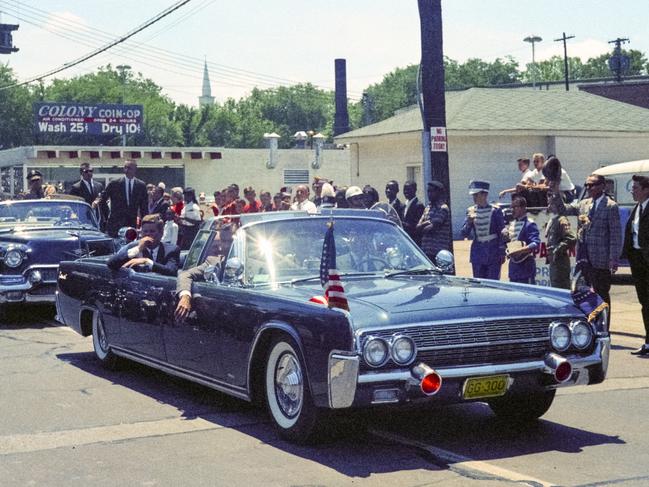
(250, 43)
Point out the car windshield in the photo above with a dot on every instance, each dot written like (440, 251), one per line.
(289, 250)
(46, 213)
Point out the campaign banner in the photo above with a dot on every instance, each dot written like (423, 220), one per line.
(87, 118)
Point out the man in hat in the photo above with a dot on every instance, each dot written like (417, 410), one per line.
(435, 223)
(355, 197)
(34, 186)
(484, 224)
(90, 190)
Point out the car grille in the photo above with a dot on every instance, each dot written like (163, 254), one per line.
(477, 343)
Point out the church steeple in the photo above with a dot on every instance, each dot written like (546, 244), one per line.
(206, 97)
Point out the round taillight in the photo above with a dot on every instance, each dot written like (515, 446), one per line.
(319, 300)
(431, 384)
(563, 372)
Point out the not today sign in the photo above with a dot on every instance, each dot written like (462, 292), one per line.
(87, 118)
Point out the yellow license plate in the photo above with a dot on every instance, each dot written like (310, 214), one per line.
(490, 386)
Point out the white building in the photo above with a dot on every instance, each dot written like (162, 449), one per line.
(489, 129)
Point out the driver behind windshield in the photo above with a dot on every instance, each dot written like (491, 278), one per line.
(148, 252)
(216, 256)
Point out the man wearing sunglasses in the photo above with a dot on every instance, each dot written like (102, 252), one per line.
(599, 234)
(90, 190)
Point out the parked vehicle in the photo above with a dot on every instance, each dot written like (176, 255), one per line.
(413, 334)
(35, 235)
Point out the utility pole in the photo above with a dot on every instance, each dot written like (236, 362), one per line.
(432, 97)
(619, 63)
(123, 72)
(565, 57)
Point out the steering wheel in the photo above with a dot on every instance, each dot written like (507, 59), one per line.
(366, 261)
(67, 222)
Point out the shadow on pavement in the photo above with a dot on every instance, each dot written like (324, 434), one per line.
(347, 447)
(25, 315)
(470, 430)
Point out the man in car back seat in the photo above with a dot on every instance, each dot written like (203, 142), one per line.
(148, 251)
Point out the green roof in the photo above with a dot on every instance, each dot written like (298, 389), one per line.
(495, 109)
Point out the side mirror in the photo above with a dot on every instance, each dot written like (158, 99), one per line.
(211, 274)
(233, 270)
(445, 261)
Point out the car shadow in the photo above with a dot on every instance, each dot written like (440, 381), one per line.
(18, 315)
(349, 445)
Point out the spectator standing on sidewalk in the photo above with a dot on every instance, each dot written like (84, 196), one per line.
(599, 233)
(522, 236)
(636, 249)
(412, 211)
(435, 223)
(559, 239)
(484, 224)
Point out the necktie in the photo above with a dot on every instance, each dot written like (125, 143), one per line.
(128, 192)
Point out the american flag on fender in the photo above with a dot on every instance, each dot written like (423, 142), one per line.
(329, 278)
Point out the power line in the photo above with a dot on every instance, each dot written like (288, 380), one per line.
(230, 75)
(94, 53)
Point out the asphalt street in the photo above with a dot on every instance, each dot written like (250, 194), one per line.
(67, 421)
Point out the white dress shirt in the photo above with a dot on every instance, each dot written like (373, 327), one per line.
(636, 223)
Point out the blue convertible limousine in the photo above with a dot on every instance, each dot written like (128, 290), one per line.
(260, 329)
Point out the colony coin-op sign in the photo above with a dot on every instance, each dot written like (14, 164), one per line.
(86, 118)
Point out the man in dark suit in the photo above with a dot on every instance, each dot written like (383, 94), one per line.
(599, 233)
(128, 200)
(412, 211)
(158, 205)
(148, 251)
(89, 189)
(217, 255)
(391, 192)
(636, 249)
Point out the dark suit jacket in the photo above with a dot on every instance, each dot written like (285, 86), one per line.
(166, 262)
(160, 208)
(643, 233)
(411, 218)
(121, 214)
(398, 207)
(81, 189)
(186, 278)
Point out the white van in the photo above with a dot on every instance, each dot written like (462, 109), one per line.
(618, 182)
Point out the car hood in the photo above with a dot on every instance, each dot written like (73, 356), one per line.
(395, 301)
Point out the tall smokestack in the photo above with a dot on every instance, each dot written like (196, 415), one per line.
(341, 118)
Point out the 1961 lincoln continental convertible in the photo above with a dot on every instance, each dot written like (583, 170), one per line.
(261, 330)
(35, 235)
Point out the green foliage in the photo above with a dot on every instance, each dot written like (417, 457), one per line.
(15, 111)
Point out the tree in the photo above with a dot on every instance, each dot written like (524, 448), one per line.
(15, 112)
(553, 69)
(597, 67)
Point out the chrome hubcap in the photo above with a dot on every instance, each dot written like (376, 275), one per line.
(103, 343)
(289, 386)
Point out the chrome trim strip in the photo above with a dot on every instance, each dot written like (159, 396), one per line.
(182, 373)
(484, 344)
(342, 379)
(597, 357)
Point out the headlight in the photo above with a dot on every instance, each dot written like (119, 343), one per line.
(13, 258)
(403, 349)
(375, 351)
(35, 277)
(582, 334)
(559, 336)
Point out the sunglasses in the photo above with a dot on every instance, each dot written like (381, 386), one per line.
(590, 185)
(87, 170)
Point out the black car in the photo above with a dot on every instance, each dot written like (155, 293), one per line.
(35, 235)
(261, 329)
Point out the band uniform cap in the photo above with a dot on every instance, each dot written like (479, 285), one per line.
(478, 187)
(34, 174)
(436, 184)
(353, 191)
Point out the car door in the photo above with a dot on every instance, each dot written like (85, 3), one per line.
(147, 305)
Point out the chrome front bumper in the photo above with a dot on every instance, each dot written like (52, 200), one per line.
(22, 292)
(344, 379)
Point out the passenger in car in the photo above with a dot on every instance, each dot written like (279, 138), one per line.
(149, 251)
(216, 257)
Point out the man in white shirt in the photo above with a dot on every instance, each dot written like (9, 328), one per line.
(302, 202)
(636, 249)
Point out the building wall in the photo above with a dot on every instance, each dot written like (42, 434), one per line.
(635, 93)
(247, 167)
